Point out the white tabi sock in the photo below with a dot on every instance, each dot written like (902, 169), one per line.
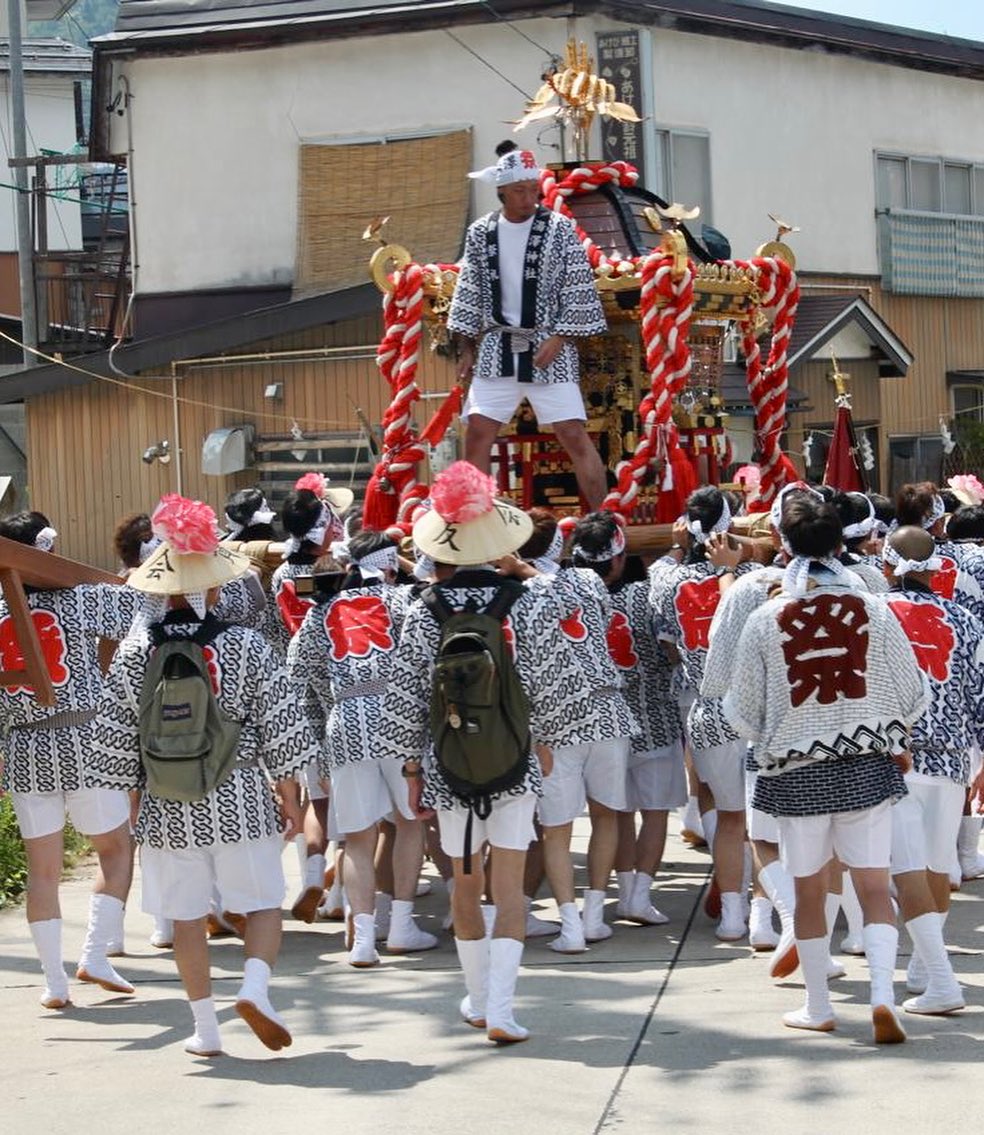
(881, 944)
(626, 883)
(47, 937)
(206, 1040)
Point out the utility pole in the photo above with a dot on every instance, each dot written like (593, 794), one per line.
(25, 244)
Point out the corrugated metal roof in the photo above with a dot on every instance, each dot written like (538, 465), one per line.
(160, 15)
(166, 24)
(49, 56)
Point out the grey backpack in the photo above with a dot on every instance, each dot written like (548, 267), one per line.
(187, 743)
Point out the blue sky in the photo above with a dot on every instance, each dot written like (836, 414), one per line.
(963, 18)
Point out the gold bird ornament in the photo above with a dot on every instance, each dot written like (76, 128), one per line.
(782, 227)
(575, 95)
(373, 229)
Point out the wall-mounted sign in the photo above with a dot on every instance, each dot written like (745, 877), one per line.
(619, 62)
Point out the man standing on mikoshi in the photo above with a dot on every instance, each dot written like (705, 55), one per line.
(524, 292)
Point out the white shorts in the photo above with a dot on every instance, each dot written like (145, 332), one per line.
(925, 825)
(497, 398)
(762, 826)
(509, 826)
(859, 839)
(595, 771)
(365, 792)
(722, 769)
(93, 811)
(179, 884)
(656, 781)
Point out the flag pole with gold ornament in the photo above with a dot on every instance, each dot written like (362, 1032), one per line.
(844, 470)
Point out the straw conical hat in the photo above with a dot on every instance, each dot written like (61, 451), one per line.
(167, 572)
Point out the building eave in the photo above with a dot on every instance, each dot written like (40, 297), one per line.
(193, 342)
(195, 26)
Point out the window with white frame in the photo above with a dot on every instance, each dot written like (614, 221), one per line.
(683, 168)
(930, 217)
(930, 184)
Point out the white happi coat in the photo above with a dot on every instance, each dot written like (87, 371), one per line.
(275, 742)
(560, 700)
(566, 300)
(344, 651)
(69, 623)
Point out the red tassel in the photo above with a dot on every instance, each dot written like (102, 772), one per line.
(381, 504)
(437, 427)
(671, 502)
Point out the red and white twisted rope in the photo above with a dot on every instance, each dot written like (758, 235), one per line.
(768, 385)
(666, 306)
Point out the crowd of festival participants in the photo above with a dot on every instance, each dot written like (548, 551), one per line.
(806, 686)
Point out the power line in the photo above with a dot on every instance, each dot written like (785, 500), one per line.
(486, 63)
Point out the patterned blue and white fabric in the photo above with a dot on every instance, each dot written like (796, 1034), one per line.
(567, 302)
(856, 694)
(685, 599)
(275, 742)
(344, 651)
(274, 629)
(842, 785)
(948, 642)
(586, 615)
(69, 624)
(649, 687)
(561, 712)
(961, 577)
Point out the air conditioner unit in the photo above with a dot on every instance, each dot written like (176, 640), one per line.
(228, 450)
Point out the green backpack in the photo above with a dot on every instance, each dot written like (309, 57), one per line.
(187, 743)
(479, 713)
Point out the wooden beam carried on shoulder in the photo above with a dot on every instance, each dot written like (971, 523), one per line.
(22, 564)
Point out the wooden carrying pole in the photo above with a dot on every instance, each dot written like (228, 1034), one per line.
(22, 564)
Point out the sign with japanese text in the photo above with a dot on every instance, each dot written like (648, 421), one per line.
(619, 63)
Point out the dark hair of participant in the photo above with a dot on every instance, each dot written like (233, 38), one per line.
(736, 501)
(300, 512)
(24, 526)
(364, 544)
(825, 491)
(131, 532)
(705, 504)
(884, 508)
(812, 528)
(966, 523)
(951, 502)
(914, 502)
(367, 542)
(240, 507)
(544, 527)
(594, 533)
(852, 508)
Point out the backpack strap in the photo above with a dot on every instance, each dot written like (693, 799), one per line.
(436, 603)
(508, 591)
(208, 630)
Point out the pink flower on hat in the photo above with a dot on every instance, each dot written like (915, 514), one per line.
(315, 482)
(969, 484)
(186, 525)
(749, 477)
(462, 493)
